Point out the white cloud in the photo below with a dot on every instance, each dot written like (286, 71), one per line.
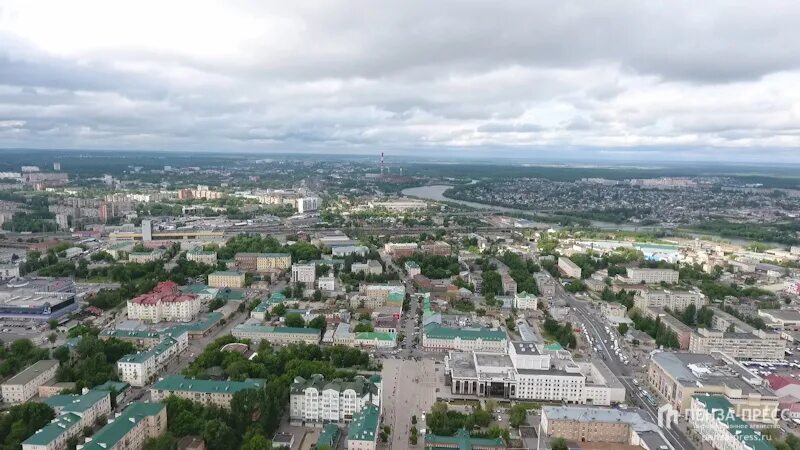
(362, 74)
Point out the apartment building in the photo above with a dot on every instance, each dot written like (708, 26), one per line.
(308, 204)
(603, 425)
(437, 337)
(412, 268)
(208, 392)
(674, 300)
(145, 257)
(315, 401)
(757, 344)
(438, 248)
(131, 429)
(25, 385)
(226, 279)
(652, 276)
(371, 267)
(677, 376)
(164, 302)
(713, 419)
(400, 249)
(375, 339)
(304, 273)
(525, 301)
(362, 434)
(268, 261)
(568, 268)
(327, 284)
(139, 338)
(202, 257)
(613, 310)
(545, 283)
(344, 250)
(508, 284)
(73, 414)
(141, 368)
(277, 335)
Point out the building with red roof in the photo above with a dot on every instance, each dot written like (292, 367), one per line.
(164, 302)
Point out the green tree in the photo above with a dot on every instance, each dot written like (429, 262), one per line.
(518, 416)
(319, 323)
(559, 443)
(294, 320)
(622, 328)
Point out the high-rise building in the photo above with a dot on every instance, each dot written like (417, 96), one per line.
(147, 230)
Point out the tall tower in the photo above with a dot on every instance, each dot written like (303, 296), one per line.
(381, 163)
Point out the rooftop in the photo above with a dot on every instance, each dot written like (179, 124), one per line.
(461, 441)
(112, 432)
(75, 403)
(181, 383)
(723, 411)
(32, 371)
(435, 331)
(364, 426)
(251, 328)
(53, 430)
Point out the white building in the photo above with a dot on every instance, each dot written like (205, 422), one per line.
(165, 302)
(532, 372)
(674, 300)
(525, 301)
(9, 270)
(653, 276)
(308, 204)
(199, 256)
(327, 284)
(73, 414)
(435, 337)
(757, 344)
(316, 401)
(370, 267)
(25, 385)
(304, 273)
(141, 368)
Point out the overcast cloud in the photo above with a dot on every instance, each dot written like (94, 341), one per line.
(716, 76)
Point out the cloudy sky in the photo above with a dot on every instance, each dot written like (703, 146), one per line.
(665, 77)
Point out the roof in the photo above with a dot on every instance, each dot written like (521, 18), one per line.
(52, 430)
(76, 403)
(364, 426)
(159, 348)
(230, 294)
(227, 273)
(359, 384)
(461, 441)
(197, 288)
(723, 412)
(434, 331)
(777, 381)
(329, 436)
(181, 383)
(375, 335)
(112, 432)
(271, 329)
(32, 371)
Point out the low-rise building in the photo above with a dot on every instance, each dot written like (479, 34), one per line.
(145, 257)
(344, 250)
(362, 434)
(134, 426)
(25, 385)
(412, 268)
(463, 441)
(199, 256)
(267, 261)
(438, 248)
(277, 335)
(208, 392)
(613, 310)
(603, 425)
(400, 249)
(371, 267)
(525, 301)
(327, 284)
(509, 286)
(436, 337)
(713, 418)
(141, 368)
(73, 414)
(545, 283)
(569, 268)
(375, 339)
(783, 319)
(226, 279)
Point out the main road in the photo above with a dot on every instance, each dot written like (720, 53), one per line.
(594, 325)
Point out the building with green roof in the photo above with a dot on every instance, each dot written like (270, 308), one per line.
(364, 427)
(208, 392)
(330, 436)
(462, 441)
(437, 337)
(375, 339)
(277, 335)
(137, 422)
(79, 404)
(714, 418)
(55, 434)
(116, 388)
(228, 294)
(316, 401)
(73, 414)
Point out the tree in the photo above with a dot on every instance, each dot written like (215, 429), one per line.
(294, 320)
(319, 323)
(363, 327)
(559, 443)
(518, 416)
(21, 421)
(622, 328)
(256, 442)
(317, 297)
(279, 310)
(52, 338)
(52, 323)
(164, 442)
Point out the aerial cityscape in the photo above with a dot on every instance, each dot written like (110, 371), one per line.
(363, 226)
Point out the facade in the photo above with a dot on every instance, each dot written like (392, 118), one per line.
(229, 279)
(568, 267)
(268, 261)
(412, 268)
(525, 301)
(603, 425)
(362, 434)
(509, 285)
(436, 248)
(714, 420)
(545, 283)
(344, 250)
(653, 276)
(25, 385)
(380, 292)
(277, 335)
(462, 440)
(315, 401)
(164, 302)
(73, 413)
(401, 249)
(532, 372)
(304, 273)
(141, 368)
(370, 267)
(375, 339)
(755, 345)
(135, 425)
(677, 376)
(674, 300)
(145, 257)
(436, 337)
(327, 284)
(199, 256)
(616, 310)
(208, 392)
(308, 204)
